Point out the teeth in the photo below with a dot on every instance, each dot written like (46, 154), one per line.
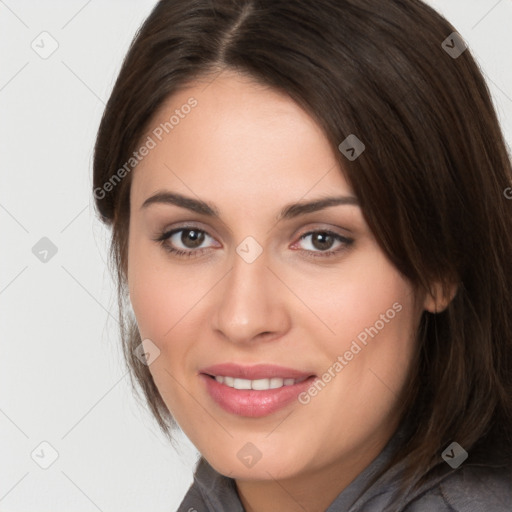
(242, 384)
(275, 382)
(261, 384)
(258, 384)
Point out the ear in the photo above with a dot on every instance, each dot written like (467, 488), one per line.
(439, 297)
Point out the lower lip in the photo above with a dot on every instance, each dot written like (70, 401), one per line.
(253, 403)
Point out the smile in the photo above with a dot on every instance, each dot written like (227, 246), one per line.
(254, 398)
(258, 384)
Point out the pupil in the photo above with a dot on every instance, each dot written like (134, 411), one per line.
(322, 241)
(194, 237)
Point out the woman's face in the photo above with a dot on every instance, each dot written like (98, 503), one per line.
(308, 290)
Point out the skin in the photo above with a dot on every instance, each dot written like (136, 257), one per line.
(250, 150)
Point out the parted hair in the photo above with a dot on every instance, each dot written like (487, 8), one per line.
(434, 181)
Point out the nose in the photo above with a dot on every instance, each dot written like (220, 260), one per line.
(251, 303)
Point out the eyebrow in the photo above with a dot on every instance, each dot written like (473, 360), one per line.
(288, 212)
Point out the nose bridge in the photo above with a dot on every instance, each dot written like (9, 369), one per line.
(250, 303)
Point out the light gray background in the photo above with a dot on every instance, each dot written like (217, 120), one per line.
(61, 376)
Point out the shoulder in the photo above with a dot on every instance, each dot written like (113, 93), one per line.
(468, 489)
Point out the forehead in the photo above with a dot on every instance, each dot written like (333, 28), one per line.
(239, 141)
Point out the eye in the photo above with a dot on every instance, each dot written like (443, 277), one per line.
(188, 242)
(321, 242)
(184, 241)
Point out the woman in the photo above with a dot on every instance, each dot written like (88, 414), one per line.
(310, 219)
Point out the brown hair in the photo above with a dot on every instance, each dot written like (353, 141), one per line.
(431, 180)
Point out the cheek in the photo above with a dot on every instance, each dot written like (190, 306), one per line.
(371, 316)
(161, 301)
(352, 297)
(167, 299)
(376, 320)
(150, 289)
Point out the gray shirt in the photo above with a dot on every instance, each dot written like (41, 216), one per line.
(468, 488)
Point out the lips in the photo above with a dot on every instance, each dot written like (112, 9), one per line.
(258, 390)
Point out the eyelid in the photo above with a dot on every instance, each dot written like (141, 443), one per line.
(298, 234)
(345, 241)
(170, 232)
(179, 226)
(325, 227)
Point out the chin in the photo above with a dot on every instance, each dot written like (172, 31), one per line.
(268, 467)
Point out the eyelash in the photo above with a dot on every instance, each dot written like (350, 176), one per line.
(163, 237)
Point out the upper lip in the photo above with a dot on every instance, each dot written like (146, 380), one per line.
(254, 372)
